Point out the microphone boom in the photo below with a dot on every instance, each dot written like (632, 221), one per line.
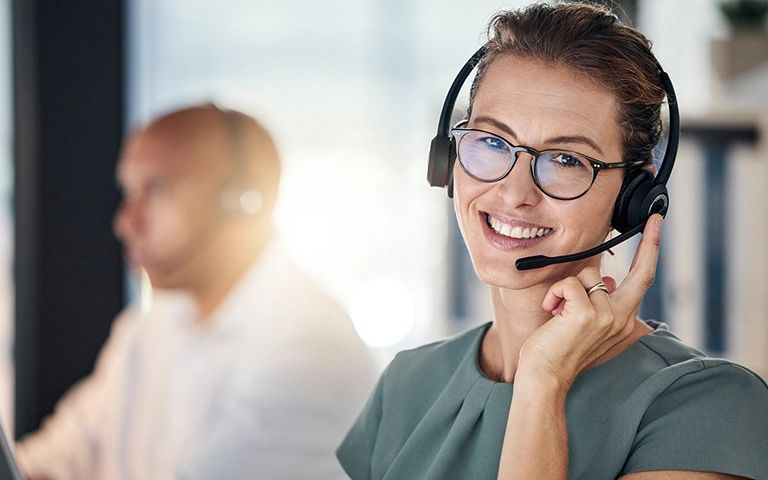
(540, 261)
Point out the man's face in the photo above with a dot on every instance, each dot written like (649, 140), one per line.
(170, 206)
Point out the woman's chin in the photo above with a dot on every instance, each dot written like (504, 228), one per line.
(507, 277)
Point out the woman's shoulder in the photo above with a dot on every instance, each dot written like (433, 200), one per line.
(449, 352)
(692, 406)
(688, 369)
(431, 367)
(664, 405)
(667, 346)
(662, 372)
(677, 360)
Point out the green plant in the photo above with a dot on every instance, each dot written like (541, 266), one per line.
(745, 14)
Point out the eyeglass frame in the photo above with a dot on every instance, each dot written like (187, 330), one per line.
(459, 131)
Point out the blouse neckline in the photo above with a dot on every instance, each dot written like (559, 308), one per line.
(481, 331)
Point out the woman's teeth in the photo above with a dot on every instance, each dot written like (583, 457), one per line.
(516, 232)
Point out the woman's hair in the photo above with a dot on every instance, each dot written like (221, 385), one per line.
(592, 41)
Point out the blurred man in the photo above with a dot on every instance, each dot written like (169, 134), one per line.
(242, 367)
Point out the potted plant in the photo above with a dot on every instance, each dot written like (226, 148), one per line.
(745, 15)
(747, 46)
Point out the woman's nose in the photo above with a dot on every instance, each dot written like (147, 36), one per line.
(518, 187)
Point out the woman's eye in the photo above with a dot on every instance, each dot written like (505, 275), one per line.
(567, 160)
(494, 142)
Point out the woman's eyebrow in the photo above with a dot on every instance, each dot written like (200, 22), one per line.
(492, 121)
(567, 139)
(581, 139)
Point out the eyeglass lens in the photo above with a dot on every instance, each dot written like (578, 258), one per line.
(559, 174)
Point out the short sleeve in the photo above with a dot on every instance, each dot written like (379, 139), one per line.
(714, 419)
(356, 450)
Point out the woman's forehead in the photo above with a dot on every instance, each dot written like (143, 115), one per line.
(552, 100)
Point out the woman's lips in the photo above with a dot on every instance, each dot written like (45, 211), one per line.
(516, 231)
(509, 236)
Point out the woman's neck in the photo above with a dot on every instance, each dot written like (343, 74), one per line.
(517, 314)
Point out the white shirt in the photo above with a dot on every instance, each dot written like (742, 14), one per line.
(266, 389)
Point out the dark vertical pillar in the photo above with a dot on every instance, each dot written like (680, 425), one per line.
(68, 108)
(716, 142)
(715, 244)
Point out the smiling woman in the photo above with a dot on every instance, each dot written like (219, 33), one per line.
(566, 382)
(538, 104)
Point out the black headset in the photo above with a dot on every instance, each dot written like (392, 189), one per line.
(641, 195)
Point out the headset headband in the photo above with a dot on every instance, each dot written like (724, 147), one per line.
(441, 143)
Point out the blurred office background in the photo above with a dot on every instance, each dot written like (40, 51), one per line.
(351, 90)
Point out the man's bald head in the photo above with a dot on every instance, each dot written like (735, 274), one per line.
(223, 139)
(174, 173)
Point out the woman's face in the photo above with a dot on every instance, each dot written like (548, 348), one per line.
(544, 107)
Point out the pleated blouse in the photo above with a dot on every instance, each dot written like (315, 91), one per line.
(659, 405)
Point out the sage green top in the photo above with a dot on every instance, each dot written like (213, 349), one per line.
(659, 405)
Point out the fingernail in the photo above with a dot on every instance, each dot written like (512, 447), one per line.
(659, 221)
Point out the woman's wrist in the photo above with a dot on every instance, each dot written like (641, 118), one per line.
(542, 383)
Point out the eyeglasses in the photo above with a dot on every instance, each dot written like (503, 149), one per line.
(559, 174)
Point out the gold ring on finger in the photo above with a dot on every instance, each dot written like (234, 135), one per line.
(596, 287)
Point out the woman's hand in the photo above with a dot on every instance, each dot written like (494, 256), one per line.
(586, 326)
(583, 329)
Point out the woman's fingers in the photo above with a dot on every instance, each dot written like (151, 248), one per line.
(559, 308)
(582, 327)
(589, 321)
(556, 297)
(591, 281)
(567, 289)
(624, 300)
(642, 272)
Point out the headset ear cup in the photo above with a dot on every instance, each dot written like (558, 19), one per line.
(451, 163)
(631, 192)
(439, 161)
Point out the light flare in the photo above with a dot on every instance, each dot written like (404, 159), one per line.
(382, 311)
